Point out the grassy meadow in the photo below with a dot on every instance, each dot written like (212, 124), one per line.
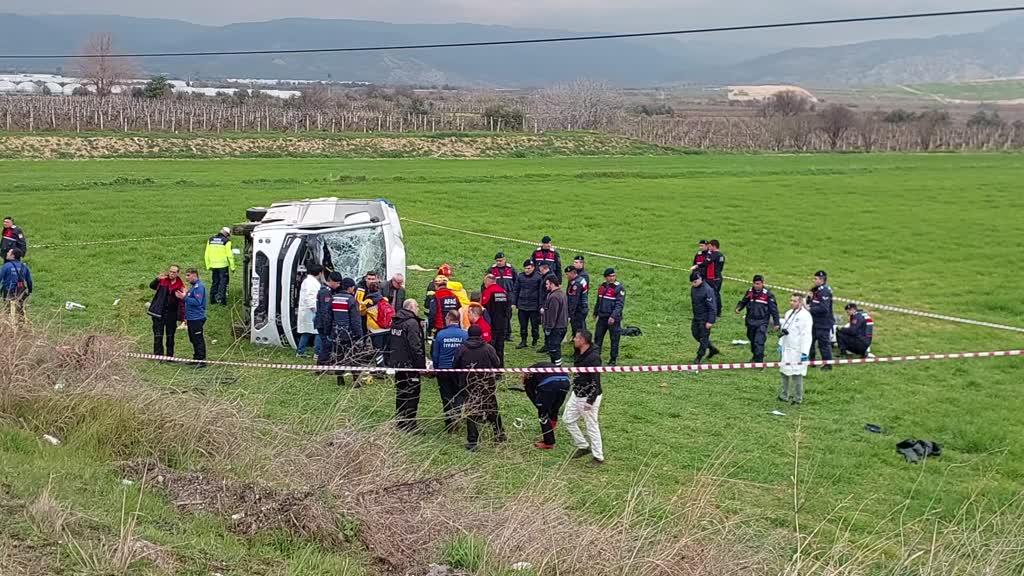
(938, 233)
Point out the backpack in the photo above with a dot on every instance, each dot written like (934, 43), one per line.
(21, 285)
(385, 313)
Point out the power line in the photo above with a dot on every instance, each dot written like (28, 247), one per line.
(741, 28)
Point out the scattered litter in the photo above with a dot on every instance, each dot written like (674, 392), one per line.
(51, 439)
(214, 341)
(116, 302)
(438, 570)
(917, 450)
(632, 331)
(59, 385)
(416, 268)
(874, 428)
(73, 306)
(238, 516)
(127, 482)
(664, 385)
(519, 423)
(236, 251)
(777, 413)
(741, 342)
(522, 566)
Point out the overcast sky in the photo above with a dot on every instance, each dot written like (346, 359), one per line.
(605, 15)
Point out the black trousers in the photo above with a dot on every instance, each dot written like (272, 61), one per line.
(195, 336)
(219, 290)
(453, 396)
(553, 344)
(486, 412)
(821, 336)
(164, 326)
(323, 357)
(380, 344)
(549, 405)
(615, 330)
(529, 319)
(757, 335)
(499, 335)
(852, 343)
(702, 335)
(717, 285)
(407, 399)
(578, 322)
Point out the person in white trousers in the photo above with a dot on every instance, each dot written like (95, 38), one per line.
(585, 401)
(795, 345)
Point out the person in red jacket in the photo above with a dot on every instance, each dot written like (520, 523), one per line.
(166, 309)
(476, 318)
(440, 303)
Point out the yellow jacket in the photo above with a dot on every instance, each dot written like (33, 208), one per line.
(218, 253)
(459, 291)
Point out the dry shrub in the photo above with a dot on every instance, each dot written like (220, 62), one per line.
(48, 516)
(80, 390)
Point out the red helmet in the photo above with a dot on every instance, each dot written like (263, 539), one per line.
(445, 270)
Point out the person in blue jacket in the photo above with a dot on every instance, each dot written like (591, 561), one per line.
(196, 300)
(442, 354)
(15, 283)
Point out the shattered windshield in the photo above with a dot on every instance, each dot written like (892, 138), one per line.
(352, 252)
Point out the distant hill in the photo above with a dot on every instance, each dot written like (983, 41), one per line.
(620, 62)
(997, 52)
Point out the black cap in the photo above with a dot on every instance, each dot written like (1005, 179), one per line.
(702, 242)
(528, 262)
(694, 276)
(544, 264)
(570, 269)
(475, 331)
(758, 278)
(851, 306)
(821, 274)
(499, 255)
(335, 277)
(580, 258)
(545, 240)
(609, 271)
(348, 283)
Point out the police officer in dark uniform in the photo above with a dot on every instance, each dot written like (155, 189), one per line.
(611, 299)
(576, 294)
(545, 254)
(505, 276)
(705, 314)
(580, 264)
(762, 309)
(820, 304)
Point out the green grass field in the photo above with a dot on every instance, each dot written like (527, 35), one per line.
(977, 91)
(939, 233)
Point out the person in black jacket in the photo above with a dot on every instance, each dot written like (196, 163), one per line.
(505, 276)
(13, 237)
(611, 301)
(705, 313)
(762, 311)
(576, 299)
(819, 303)
(527, 299)
(481, 387)
(498, 304)
(166, 309)
(547, 392)
(545, 254)
(407, 351)
(585, 400)
(324, 318)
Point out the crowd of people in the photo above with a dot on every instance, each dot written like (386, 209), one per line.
(341, 318)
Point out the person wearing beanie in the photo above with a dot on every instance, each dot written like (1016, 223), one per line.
(545, 254)
(219, 260)
(556, 318)
(819, 303)
(576, 299)
(705, 314)
(505, 276)
(762, 311)
(481, 387)
(527, 300)
(611, 300)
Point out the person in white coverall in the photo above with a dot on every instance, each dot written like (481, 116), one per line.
(795, 345)
(307, 309)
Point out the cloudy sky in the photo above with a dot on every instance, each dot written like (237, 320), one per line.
(604, 15)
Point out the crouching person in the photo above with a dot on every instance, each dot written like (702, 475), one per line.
(547, 392)
(481, 387)
(585, 401)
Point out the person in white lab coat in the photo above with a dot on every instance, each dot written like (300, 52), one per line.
(307, 309)
(795, 345)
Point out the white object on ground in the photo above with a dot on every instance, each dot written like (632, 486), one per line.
(238, 516)
(740, 342)
(51, 439)
(127, 482)
(777, 413)
(522, 566)
(518, 423)
(416, 268)
(73, 306)
(116, 302)
(236, 251)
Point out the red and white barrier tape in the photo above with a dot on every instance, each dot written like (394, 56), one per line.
(870, 305)
(592, 370)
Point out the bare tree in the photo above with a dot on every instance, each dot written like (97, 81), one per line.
(99, 65)
(835, 122)
(786, 103)
(928, 126)
(315, 97)
(581, 104)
